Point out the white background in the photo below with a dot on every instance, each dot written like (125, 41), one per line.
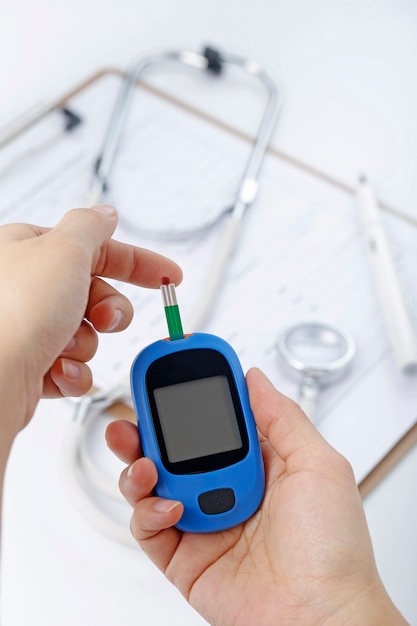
(348, 71)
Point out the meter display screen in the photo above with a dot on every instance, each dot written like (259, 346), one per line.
(196, 411)
(197, 418)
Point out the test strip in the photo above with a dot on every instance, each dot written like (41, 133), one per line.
(172, 313)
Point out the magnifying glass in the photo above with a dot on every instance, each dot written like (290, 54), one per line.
(319, 354)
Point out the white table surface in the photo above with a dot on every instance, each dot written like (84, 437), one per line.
(349, 76)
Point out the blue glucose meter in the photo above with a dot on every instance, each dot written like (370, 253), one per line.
(196, 424)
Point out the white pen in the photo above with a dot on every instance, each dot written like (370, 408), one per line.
(400, 327)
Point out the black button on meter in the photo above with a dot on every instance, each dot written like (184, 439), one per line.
(217, 501)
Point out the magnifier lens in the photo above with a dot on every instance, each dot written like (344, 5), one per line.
(319, 354)
(316, 345)
(316, 349)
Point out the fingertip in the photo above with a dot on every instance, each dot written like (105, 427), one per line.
(173, 275)
(87, 226)
(112, 314)
(178, 275)
(144, 469)
(261, 389)
(71, 377)
(138, 480)
(280, 419)
(256, 373)
(153, 515)
(122, 438)
(111, 434)
(166, 507)
(106, 210)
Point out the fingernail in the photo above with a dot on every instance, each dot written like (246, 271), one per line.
(105, 209)
(116, 319)
(70, 345)
(129, 471)
(165, 506)
(70, 369)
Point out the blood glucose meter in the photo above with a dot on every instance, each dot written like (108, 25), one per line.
(196, 424)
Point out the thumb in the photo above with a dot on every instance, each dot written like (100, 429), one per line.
(90, 228)
(282, 421)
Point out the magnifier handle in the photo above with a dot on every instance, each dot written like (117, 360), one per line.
(307, 399)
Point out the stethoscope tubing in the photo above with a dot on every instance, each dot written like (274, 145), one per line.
(195, 61)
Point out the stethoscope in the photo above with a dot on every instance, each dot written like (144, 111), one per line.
(214, 62)
(318, 355)
(76, 459)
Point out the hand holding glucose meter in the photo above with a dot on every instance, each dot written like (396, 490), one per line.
(196, 424)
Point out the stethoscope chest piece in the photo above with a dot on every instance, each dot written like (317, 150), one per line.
(319, 354)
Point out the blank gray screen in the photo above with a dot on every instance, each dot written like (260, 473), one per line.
(197, 418)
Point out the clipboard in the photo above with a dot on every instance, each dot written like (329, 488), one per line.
(400, 445)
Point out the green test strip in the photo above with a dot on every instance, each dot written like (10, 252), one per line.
(172, 312)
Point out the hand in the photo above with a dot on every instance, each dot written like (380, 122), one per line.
(305, 557)
(53, 302)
